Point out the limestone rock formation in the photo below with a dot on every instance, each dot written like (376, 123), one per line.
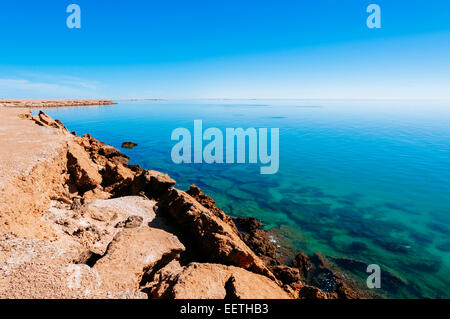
(134, 253)
(213, 281)
(258, 240)
(152, 183)
(84, 174)
(217, 240)
(209, 203)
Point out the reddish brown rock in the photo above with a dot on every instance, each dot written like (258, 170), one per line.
(309, 292)
(134, 252)
(214, 281)
(287, 275)
(215, 239)
(258, 240)
(303, 264)
(210, 204)
(115, 173)
(47, 120)
(113, 154)
(82, 171)
(96, 193)
(152, 183)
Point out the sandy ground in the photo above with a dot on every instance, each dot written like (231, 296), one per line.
(23, 144)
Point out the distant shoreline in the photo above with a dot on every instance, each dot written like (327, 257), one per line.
(38, 103)
(47, 103)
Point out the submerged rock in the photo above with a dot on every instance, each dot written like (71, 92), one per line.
(129, 145)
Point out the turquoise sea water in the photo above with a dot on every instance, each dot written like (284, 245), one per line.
(368, 180)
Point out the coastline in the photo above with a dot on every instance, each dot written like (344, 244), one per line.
(85, 210)
(41, 103)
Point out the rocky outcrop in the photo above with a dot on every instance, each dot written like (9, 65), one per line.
(322, 281)
(303, 264)
(135, 253)
(154, 184)
(258, 240)
(207, 202)
(92, 226)
(217, 240)
(82, 171)
(212, 281)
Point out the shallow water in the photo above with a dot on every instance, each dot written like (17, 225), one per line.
(360, 179)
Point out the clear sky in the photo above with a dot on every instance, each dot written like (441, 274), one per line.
(225, 49)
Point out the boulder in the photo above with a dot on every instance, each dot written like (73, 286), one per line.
(287, 275)
(47, 120)
(214, 281)
(92, 226)
(37, 120)
(129, 145)
(134, 253)
(153, 183)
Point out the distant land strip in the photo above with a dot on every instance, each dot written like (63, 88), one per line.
(38, 103)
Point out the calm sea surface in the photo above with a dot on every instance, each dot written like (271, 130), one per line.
(359, 179)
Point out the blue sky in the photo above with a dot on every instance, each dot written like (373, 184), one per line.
(225, 49)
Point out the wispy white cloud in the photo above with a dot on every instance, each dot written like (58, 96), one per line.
(47, 87)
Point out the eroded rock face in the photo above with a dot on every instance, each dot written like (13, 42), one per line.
(113, 154)
(287, 275)
(154, 184)
(216, 239)
(84, 174)
(303, 264)
(258, 240)
(207, 202)
(213, 281)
